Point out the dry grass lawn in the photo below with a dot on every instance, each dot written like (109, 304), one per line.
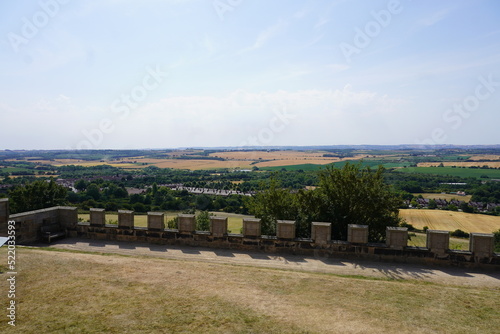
(451, 220)
(70, 292)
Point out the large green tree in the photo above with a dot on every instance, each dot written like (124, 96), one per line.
(39, 194)
(356, 195)
(347, 195)
(273, 204)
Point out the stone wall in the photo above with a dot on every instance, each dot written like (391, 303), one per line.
(320, 243)
(4, 216)
(28, 226)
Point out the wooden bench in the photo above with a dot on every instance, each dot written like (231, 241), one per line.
(52, 231)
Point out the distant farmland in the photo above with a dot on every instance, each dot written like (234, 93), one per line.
(447, 197)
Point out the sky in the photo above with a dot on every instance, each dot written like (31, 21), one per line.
(126, 74)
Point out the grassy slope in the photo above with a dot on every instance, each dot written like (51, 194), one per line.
(60, 292)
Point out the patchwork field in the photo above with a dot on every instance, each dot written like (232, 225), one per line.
(74, 292)
(451, 220)
(312, 159)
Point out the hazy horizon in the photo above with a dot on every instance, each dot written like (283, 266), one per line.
(120, 74)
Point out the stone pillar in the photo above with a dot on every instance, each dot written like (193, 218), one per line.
(251, 227)
(97, 217)
(396, 237)
(125, 219)
(218, 226)
(321, 233)
(68, 216)
(438, 241)
(285, 229)
(4, 216)
(482, 244)
(156, 221)
(357, 234)
(187, 223)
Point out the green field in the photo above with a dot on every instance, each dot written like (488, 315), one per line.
(340, 164)
(461, 172)
(420, 240)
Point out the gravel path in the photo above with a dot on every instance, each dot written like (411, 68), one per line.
(435, 274)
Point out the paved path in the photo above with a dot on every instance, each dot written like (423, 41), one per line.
(455, 276)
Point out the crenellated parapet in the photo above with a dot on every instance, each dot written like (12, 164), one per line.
(31, 226)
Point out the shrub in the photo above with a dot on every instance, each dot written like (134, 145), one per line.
(459, 234)
(408, 226)
(203, 221)
(497, 241)
(172, 223)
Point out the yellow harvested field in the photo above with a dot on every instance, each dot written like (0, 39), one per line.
(447, 197)
(451, 220)
(495, 164)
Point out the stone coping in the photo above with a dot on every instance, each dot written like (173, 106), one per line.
(54, 208)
